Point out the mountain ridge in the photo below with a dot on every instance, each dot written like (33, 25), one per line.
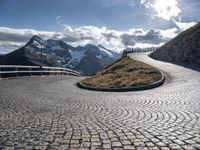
(86, 59)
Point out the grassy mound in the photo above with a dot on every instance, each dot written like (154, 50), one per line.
(125, 73)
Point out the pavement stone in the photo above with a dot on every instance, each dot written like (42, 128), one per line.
(52, 113)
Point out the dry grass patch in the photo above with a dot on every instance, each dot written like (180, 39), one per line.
(125, 73)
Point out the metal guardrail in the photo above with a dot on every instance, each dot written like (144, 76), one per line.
(135, 50)
(16, 70)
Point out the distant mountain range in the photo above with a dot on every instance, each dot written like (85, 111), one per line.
(183, 49)
(86, 59)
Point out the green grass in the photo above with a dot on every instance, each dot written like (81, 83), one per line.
(125, 73)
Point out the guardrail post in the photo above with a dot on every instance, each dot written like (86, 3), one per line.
(41, 71)
(16, 71)
(30, 71)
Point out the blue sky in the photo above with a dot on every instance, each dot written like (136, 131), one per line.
(119, 23)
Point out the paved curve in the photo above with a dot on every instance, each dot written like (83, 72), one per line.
(52, 113)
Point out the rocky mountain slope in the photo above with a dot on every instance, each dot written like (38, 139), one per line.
(86, 59)
(1, 56)
(27, 57)
(183, 49)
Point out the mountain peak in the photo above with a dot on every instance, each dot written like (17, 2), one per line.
(90, 45)
(38, 38)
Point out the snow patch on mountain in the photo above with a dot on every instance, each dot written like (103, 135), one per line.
(56, 47)
(99, 56)
(35, 43)
(76, 57)
(104, 50)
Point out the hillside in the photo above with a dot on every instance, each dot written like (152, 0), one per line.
(183, 49)
(27, 57)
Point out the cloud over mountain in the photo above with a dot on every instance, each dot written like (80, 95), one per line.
(184, 25)
(151, 37)
(82, 35)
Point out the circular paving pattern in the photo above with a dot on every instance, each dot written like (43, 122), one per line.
(52, 113)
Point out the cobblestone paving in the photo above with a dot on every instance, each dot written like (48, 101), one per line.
(52, 113)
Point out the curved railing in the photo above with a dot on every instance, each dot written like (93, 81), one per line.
(16, 70)
(135, 50)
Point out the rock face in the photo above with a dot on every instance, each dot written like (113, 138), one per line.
(86, 59)
(183, 49)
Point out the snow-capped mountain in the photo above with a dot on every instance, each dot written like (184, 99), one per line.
(86, 59)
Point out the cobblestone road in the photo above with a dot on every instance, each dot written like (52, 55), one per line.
(52, 113)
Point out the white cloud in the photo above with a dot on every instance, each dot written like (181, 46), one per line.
(146, 3)
(184, 25)
(169, 33)
(11, 38)
(8, 46)
(167, 9)
(19, 35)
(145, 45)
